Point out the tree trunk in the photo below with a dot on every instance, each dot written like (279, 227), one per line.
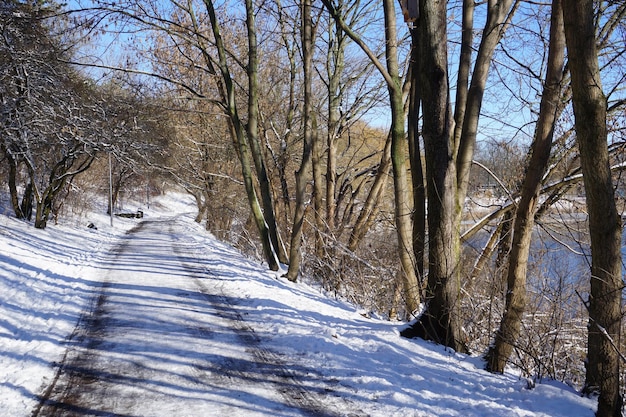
(45, 200)
(318, 190)
(63, 172)
(403, 205)
(440, 321)
(417, 170)
(335, 56)
(605, 299)
(507, 335)
(115, 193)
(465, 62)
(302, 175)
(42, 212)
(497, 13)
(12, 181)
(240, 141)
(26, 206)
(253, 137)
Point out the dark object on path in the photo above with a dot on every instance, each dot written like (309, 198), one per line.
(138, 215)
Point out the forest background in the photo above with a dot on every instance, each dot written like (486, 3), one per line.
(425, 162)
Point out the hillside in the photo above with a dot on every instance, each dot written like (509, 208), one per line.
(265, 346)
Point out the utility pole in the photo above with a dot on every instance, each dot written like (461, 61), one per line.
(110, 190)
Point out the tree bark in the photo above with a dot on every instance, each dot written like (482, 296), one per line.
(417, 169)
(605, 299)
(336, 57)
(303, 174)
(509, 330)
(440, 321)
(318, 190)
(253, 137)
(27, 202)
(403, 205)
(465, 62)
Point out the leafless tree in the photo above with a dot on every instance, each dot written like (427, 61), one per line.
(49, 122)
(527, 205)
(605, 299)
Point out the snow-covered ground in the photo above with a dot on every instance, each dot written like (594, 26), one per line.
(48, 278)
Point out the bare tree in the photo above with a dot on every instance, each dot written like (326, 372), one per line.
(49, 121)
(303, 174)
(197, 37)
(525, 213)
(403, 206)
(605, 299)
(439, 321)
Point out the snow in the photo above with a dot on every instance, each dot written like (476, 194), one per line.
(207, 332)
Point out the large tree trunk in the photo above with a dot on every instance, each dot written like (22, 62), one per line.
(253, 137)
(403, 204)
(302, 175)
(335, 93)
(440, 321)
(604, 223)
(507, 335)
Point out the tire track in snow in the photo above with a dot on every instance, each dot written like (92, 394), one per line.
(269, 364)
(98, 378)
(74, 373)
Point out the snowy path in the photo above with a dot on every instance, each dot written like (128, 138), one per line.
(165, 318)
(164, 339)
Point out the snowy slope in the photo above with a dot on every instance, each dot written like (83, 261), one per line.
(48, 277)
